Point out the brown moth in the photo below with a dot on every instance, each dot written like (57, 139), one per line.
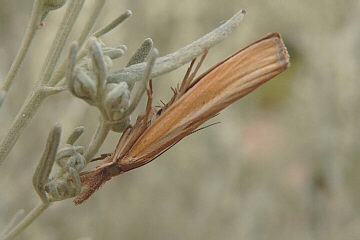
(194, 102)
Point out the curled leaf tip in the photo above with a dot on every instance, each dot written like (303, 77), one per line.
(148, 40)
(50, 5)
(57, 130)
(123, 47)
(155, 53)
(42, 172)
(78, 131)
(53, 4)
(142, 52)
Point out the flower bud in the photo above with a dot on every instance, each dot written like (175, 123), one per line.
(84, 87)
(117, 100)
(49, 5)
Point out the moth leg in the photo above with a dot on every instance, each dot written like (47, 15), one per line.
(102, 156)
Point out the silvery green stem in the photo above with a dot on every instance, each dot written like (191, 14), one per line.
(33, 214)
(60, 72)
(30, 33)
(92, 19)
(22, 119)
(175, 60)
(33, 102)
(97, 140)
(62, 35)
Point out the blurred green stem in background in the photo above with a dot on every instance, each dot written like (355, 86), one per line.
(33, 214)
(97, 140)
(16, 218)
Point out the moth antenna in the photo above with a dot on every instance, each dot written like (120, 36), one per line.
(184, 82)
(192, 76)
(212, 124)
(149, 92)
(188, 82)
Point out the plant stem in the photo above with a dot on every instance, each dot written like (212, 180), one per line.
(30, 33)
(113, 24)
(22, 119)
(13, 221)
(91, 21)
(177, 59)
(97, 140)
(26, 221)
(60, 72)
(33, 102)
(72, 12)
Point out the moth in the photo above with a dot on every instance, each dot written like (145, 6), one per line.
(195, 101)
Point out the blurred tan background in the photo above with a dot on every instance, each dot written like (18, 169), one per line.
(283, 164)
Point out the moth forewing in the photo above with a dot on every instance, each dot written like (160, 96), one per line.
(228, 81)
(195, 102)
